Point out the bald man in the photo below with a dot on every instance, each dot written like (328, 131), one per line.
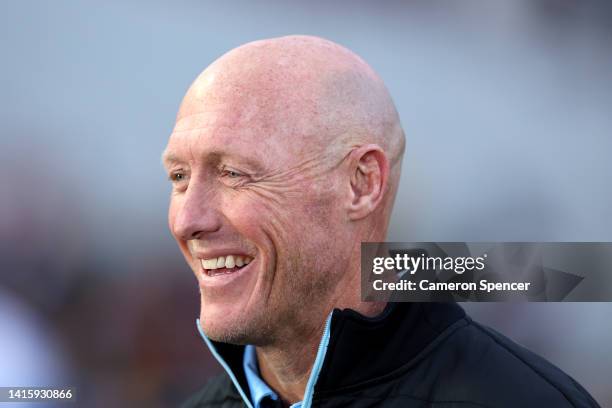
(286, 155)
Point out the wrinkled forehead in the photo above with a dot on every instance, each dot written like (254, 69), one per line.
(249, 132)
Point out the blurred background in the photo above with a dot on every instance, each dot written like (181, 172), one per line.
(507, 108)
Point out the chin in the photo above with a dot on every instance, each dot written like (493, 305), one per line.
(227, 326)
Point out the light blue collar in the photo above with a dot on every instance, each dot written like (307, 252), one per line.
(312, 380)
(258, 387)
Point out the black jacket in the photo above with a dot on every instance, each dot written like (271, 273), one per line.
(417, 355)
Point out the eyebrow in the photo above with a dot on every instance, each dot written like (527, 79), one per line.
(214, 156)
(168, 158)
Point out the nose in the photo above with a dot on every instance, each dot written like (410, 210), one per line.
(194, 214)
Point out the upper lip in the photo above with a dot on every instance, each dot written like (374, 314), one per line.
(216, 253)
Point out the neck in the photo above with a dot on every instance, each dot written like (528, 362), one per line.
(286, 366)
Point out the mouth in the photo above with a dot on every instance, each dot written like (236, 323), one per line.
(224, 265)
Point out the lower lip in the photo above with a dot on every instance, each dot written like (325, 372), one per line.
(223, 279)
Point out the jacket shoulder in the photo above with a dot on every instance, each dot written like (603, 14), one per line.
(488, 368)
(218, 392)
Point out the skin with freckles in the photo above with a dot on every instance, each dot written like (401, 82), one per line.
(286, 150)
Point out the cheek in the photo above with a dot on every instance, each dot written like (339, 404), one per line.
(290, 220)
(322, 207)
(245, 213)
(325, 231)
(268, 221)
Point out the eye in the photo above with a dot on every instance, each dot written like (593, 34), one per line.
(231, 173)
(177, 176)
(233, 178)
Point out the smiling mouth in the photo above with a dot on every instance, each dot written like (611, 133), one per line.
(225, 264)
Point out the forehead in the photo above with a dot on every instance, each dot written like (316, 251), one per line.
(259, 118)
(223, 133)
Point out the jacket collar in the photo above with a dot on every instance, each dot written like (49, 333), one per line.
(356, 349)
(231, 358)
(363, 349)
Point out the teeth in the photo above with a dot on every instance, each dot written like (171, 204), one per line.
(229, 261)
(239, 261)
(209, 263)
(220, 262)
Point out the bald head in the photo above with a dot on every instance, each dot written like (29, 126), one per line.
(308, 89)
(303, 95)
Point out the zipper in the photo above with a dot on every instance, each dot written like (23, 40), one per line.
(221, 361)
(318, 364)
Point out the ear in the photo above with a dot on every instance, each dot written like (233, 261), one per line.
(369, 171)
